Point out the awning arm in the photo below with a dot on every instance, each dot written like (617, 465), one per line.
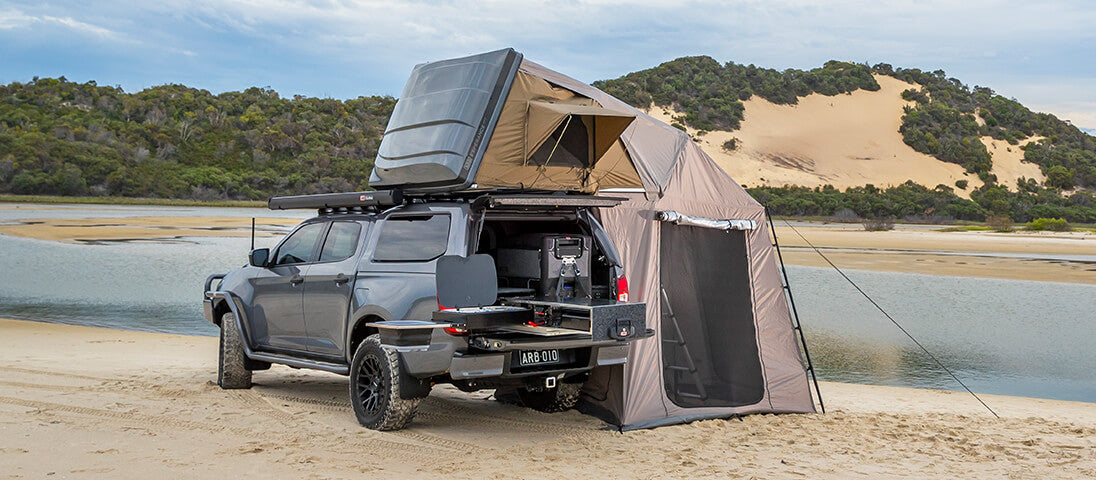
(681, 219)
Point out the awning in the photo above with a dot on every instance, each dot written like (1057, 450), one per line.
(681, 219)
(603, 125)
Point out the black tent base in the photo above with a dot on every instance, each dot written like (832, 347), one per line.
(592, 409)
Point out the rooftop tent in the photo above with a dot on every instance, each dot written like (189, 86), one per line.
(489, 120)
(695, 245)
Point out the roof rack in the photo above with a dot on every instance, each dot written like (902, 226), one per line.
(380, 198)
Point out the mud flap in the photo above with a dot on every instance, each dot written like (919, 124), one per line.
(410, 386)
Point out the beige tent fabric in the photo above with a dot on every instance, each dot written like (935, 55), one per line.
(697, 186)
(533, 109)
(545, 116)
(653, 146)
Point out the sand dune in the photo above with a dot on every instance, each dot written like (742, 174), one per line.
(844, 141)
(80, 402)
(1008, 164)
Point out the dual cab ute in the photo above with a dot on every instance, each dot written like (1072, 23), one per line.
(482, 290)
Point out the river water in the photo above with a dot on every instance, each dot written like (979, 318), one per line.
(1006, 337)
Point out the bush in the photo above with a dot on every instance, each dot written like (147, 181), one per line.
(999, 223)
(878, 224)
(1052, 224)
(845, 215)
(731, 145)
(962, 184)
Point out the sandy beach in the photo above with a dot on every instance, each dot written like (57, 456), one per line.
(92, 229)
(1041, 256)
(82, 402)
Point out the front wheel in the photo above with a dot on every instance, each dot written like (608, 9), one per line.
(375, 388)
(232, 371)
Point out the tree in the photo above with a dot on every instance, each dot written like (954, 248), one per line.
(1060, 177)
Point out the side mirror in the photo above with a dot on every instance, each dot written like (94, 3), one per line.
(259, 257)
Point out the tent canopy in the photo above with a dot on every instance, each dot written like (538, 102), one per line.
(549, 119)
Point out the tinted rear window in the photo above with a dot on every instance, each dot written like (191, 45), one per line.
(412, 239)
(341, 242)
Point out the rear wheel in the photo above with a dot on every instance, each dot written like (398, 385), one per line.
(551, 400)
(232, 371)
(375, 387)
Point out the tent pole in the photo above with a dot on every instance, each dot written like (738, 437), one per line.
(795, 314)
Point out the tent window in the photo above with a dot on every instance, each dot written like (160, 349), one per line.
(573, 150)
(709, 349)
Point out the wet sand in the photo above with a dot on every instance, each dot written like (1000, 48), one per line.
(1042, 256)
(74, 230)
(81, 402)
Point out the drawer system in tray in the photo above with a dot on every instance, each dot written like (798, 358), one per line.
(602, 319)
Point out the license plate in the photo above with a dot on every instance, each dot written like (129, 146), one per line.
(538, 357)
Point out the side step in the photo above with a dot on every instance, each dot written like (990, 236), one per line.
(300, 363)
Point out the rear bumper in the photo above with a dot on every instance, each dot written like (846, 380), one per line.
(503, 364)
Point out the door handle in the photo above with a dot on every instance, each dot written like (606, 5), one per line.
(341, 279)
(296, 280)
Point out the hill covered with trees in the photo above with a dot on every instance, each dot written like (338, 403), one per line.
(64, 138)
(946, 120)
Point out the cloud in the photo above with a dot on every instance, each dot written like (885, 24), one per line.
(347, 48)
(12, 19)
(81, 26)
(15, 19)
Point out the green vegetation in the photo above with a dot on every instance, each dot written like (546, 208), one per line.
(966, 228)
(917, 203)
(710, 94)
(63, 138)
(943, 124)
(1052, 224)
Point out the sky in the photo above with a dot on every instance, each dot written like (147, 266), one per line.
(1040, 53)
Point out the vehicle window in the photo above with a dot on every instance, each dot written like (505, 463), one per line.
(412, 239)
(300, 246)
(341, 242)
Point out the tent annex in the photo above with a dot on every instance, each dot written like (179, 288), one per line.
(695, 245)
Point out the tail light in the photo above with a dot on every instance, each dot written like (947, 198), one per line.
(454, 331)
(622, 289)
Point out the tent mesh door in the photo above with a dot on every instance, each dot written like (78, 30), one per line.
(572, 150)
(709, 353)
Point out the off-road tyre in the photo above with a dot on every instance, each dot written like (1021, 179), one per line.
(552, 400)
(375, 388)
(232, 371)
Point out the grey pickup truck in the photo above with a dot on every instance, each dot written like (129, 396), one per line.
(518, 292)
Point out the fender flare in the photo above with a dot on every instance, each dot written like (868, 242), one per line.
(359, 317)
(237, 311)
